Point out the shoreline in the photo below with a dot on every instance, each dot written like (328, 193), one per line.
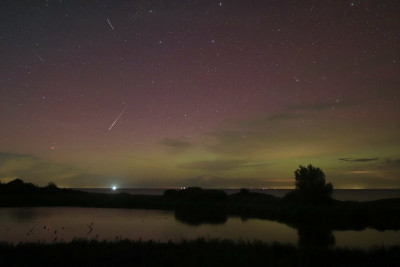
(196, 205)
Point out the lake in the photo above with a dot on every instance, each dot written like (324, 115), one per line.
(50, 224)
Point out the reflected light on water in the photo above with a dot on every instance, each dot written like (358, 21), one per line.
(56, 223)
(49, 224)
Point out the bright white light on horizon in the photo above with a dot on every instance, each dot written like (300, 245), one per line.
(114, 188)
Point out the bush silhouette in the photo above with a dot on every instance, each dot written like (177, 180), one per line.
(310, 185)
(196, 194)
(17, 185)
(244, 191)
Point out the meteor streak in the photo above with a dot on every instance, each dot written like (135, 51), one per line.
(110, 24)
(120, 114)
(40, 58)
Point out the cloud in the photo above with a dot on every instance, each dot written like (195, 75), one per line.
(92, 180)
(293, 137)
(363, 172)
(33, 169)
(268, 136)
(176, 145)
(321, 106)
(375, 173)
(251, 165)
(291, 133)
(393, 161)
(11, 163)
(213, 165)
(378, 176)
(351, 160)
(9, 156)
(211, 181)
(283, 117)
(221, 165)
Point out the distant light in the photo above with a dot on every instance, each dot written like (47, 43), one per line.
(114, 188)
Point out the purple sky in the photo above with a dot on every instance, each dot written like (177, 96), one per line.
(208, 93)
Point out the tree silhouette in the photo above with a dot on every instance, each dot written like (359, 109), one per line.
(310, 185)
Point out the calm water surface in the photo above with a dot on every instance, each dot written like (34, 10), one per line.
(64, 224)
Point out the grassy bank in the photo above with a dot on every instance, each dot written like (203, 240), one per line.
(199, 252)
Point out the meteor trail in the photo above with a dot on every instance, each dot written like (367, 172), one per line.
(120, 114)
(40, 58)
(110, 24)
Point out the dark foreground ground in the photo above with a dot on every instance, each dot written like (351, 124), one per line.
(189, 253)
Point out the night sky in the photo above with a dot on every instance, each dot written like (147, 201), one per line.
(203, 93)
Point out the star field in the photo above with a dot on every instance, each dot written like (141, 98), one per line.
(208, 93)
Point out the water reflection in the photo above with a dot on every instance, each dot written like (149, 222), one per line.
(309, 234)
(197, 218)
(64, 224)
(315, 236)
(23, 214)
